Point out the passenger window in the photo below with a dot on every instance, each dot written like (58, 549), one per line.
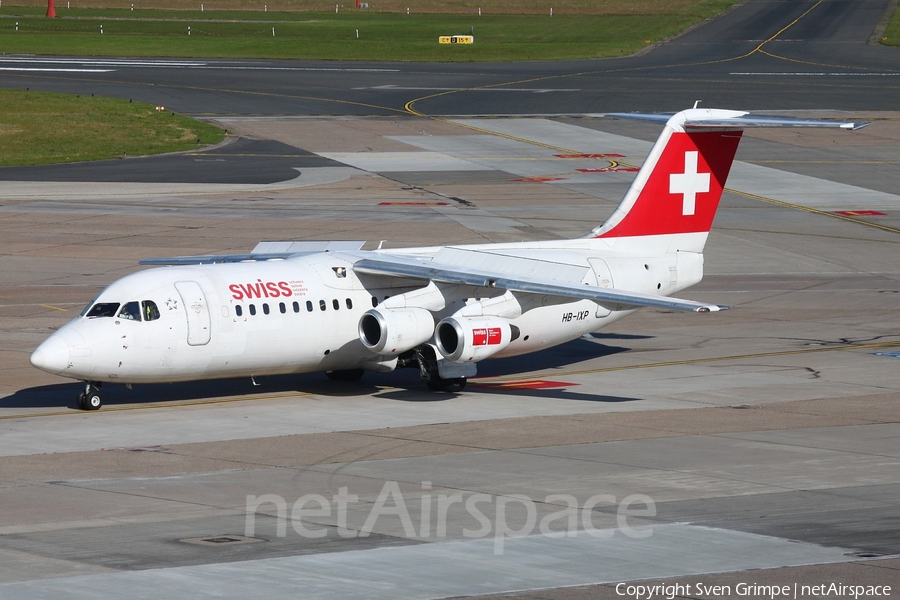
(265, 308)
(349, 304)
(282, 307)
(238, 310)
(296, 306)
(309, 306)
(103, 309)
(252, 309)
(322, 305)
(374, 301)
(336, 304)
(151, 312)
(130, 312)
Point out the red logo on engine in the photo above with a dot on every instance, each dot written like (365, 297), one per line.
(487, 336)
(260, 289)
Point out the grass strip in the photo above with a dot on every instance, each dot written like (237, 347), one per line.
(42, 128)
(892, 33)
(333, 36)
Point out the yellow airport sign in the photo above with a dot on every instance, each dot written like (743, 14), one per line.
(456, 39)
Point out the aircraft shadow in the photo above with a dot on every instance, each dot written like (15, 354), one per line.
(405, 384)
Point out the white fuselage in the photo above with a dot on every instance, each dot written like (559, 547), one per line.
(301, 314)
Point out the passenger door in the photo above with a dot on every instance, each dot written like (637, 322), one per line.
(197, 311)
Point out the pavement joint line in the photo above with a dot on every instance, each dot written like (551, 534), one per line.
(819, 235)
(108, 409)
(814, 211)
(689, 361)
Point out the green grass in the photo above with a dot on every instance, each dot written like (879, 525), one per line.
(332, 36)
(892, 33)
(41, 128)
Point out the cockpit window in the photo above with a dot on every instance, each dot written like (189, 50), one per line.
(103, 309)
(130, 311)
(151, 312)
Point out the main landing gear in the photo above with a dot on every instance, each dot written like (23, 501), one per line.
(90, 398)
(428, 369)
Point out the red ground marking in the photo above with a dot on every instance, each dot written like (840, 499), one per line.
(610, 170)
(412, 204)
(589, 155)
(539, 179)
(532, 384)
(859, 213)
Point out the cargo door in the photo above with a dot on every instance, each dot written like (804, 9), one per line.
(604, 279)
(197, 311)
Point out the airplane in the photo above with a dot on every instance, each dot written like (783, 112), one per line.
(296, 307)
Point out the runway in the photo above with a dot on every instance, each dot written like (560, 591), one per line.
(756, 445)
(760, 56)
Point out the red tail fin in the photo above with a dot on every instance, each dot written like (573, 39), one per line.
(677, 191)
(683, 187)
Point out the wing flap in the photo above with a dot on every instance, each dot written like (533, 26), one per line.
(397, 266)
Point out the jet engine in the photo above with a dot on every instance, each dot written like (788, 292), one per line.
(470, 339)
(389, 331)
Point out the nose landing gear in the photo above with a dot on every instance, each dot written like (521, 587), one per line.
(90, 398)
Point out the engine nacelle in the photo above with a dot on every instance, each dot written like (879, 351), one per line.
(392, 331)
(470, 339)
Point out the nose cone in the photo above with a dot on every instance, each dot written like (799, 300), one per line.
(53, 355)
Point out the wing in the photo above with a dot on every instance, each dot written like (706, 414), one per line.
(399, 266)
(262, 251)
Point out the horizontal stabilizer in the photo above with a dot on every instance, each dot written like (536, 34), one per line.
(713, 119)
(263, 251)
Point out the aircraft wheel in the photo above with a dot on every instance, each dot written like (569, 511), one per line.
(457, 384)
(79, 401)
(351, 375)
(438, 384)
(91, 400)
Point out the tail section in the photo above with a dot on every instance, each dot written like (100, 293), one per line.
(672, 202)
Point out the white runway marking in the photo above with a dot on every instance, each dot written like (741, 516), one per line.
(798, 74)
(100, 62)
(171, 64)
(462, 89)
(326, 69)
(59, 70)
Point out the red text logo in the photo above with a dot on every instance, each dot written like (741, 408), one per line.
(260, 289)
(487, 336)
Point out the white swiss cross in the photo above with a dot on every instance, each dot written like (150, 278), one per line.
(689, 184)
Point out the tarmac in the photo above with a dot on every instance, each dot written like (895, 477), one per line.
(752, 447)
(755, 445)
